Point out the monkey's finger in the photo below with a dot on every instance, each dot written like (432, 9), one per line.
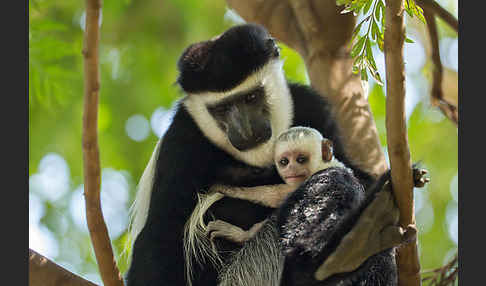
(419, 179)
(217, 225)
(410, 234)
(216, 234)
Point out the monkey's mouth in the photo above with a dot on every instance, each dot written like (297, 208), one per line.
(295, 178)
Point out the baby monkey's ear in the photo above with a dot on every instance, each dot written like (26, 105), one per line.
(326, 147)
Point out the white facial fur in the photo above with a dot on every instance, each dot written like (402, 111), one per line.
(271, 77)
(308, 143)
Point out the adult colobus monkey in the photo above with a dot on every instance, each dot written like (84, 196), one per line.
(237, 102)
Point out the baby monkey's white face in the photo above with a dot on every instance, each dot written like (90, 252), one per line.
(294, 166)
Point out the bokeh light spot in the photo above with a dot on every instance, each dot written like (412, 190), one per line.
(137, 127)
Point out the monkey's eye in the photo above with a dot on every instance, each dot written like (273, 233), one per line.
(301, 159)
(283, 162)
(250, 98)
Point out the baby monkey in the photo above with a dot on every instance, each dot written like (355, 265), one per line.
(299, 152)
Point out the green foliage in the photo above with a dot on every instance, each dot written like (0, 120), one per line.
(364, 61)
(414, 10)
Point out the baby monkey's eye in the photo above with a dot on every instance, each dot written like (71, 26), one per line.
(301, 159)
(283, 162)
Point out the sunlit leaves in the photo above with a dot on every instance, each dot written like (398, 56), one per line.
(373, 21)
(53, 52)
(373, 12)
(414, 10)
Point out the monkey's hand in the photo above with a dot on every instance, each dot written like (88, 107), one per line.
(267, 195)
(419, 179)
(222, 229)
(376, 230)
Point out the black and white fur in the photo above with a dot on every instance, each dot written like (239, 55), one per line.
(194, 154)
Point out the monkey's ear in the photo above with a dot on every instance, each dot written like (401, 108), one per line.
(326, 148)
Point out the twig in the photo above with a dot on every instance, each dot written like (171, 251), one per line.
(437, 97)
(44, 272)
(443, 276)
(91, 161)
(434, 8)
(398, 150)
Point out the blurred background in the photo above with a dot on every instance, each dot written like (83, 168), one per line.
(141, 42)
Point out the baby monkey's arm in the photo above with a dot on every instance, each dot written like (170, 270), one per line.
(222, 229)
(267, 195)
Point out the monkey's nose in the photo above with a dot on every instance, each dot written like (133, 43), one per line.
(257, 171)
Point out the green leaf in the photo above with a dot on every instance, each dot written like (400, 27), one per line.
(408, 40)
(420, 14)
(379, 10)
(369, 55)
(364, 75)
(383, 21)
(342, 2)
(358, 28)
(367, 6)
(358, 47)
(375, 75)
(347, 9)
(380, 43)
(408, 9)
(375, 31)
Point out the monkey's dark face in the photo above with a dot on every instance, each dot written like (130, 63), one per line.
(245, 118)
(237, 92)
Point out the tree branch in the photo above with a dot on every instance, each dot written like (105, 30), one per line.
(437, 97)
(321, 35)
(434, 8)
(399, 153)
(44, 272)
(96, 224)
(443, 276)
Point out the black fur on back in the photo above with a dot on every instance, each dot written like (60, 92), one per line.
(312, 222)
(223, 63)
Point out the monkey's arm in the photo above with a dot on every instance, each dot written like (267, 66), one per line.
(222, 229)
(375, 231)
(267, 195)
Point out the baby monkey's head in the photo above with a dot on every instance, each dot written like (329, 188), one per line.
(300, 152)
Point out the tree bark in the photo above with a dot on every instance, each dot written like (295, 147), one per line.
(44, 272)
(91, 162)
(437, 95)
(399, 153)
(321, 35)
